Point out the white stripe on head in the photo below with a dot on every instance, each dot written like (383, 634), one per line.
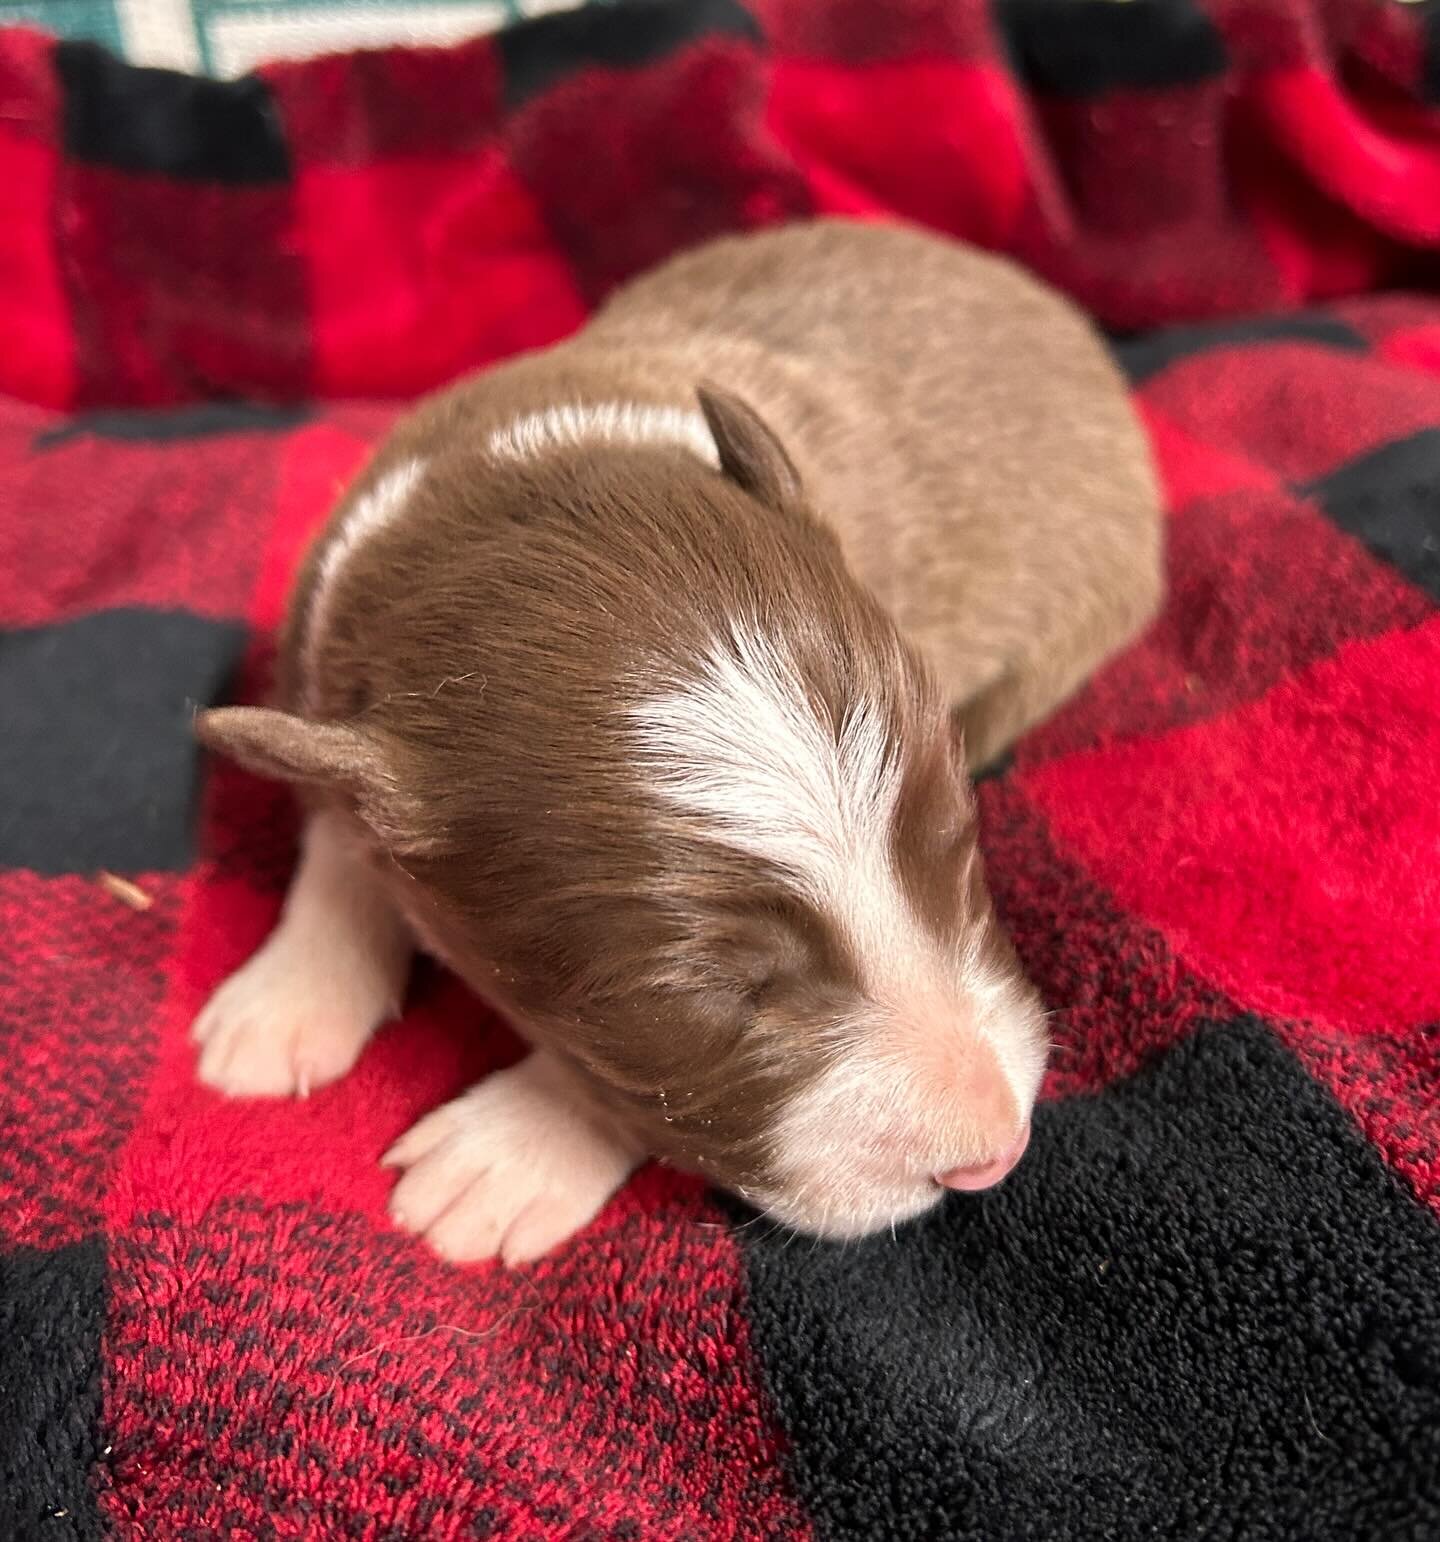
(626, 424)
(742, 746)
(382, 505)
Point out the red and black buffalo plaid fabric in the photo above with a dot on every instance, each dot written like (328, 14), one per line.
(1208, 1304)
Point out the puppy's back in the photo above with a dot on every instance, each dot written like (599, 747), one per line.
(962, 427)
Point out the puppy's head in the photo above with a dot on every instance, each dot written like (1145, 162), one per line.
(656, 773)
(840, 925)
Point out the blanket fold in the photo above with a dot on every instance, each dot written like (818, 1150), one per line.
(372, 224)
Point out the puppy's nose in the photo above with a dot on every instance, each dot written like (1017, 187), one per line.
(971, 1179)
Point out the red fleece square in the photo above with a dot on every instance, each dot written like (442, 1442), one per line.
(681, 157)
(81, 976)
(339, 110)
(34, 312)
(1298, 408)
(1383, 164)
(1289, 852)
(420, 269)
(128, 522)
(1180, 181)
(611, 1391)
(894, 138)
(38, 356)
(1316, 246)
(843, 32)
(1191, 467)
(168, 299)
(1416, 347)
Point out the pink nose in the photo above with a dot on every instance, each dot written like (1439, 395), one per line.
(971, 1179)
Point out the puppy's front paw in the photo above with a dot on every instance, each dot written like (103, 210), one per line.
(284, 1024)
(510, 1169)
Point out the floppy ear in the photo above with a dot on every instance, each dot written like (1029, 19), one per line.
(750, 454)
(291, 749)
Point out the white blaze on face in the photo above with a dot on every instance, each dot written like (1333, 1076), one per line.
(373, 511)
(742, 747)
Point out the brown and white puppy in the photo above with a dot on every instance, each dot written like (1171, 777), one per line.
(637, 679)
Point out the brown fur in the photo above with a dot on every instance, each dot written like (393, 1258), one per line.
(962, 515)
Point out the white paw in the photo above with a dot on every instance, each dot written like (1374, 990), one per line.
(286, 1024)
(510, 1169)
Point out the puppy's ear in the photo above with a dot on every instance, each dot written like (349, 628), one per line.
(750, 454)
(291, 749)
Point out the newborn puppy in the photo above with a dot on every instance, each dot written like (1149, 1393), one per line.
(637, 679)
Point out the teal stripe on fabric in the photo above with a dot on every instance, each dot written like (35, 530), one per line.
(93, 20)
(201, 9)
(97, 20)
(206, 12)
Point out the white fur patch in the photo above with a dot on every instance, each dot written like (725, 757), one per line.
(859, 1147)
(511, 1168)
(297, 1015)
(742, 747)
(382, 505)
(613, 423)
(854, 1152)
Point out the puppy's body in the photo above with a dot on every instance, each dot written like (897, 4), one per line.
(955, 423)
(640, 714)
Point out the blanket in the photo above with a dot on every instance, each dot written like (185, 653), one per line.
(1208, 1302)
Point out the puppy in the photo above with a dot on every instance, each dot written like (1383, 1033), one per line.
(637, 680)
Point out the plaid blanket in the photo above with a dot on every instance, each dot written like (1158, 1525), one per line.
(1208, 1304)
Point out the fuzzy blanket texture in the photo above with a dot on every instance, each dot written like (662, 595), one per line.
(1208, 1304)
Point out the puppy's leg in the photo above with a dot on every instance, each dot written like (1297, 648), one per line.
(511, 1168)
(298, 1014)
